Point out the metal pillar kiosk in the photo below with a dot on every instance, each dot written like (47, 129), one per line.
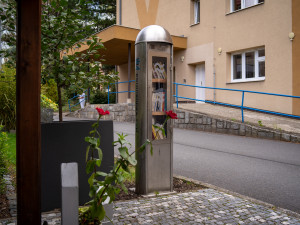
(153, 67)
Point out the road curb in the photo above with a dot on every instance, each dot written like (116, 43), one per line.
(256, 201)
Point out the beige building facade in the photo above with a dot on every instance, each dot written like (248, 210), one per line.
(235, 44)
(249, 45)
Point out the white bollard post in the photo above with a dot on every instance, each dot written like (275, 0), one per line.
(69, 194)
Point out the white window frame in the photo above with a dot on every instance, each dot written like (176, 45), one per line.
(257, 59)
(242, 5)
(196, 17)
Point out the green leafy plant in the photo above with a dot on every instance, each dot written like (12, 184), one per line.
(105, 189)
(260, 123)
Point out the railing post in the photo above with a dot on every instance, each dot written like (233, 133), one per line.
(108, 94)
(177, 95)
(242, 106)
(69, 105)
(214, 95)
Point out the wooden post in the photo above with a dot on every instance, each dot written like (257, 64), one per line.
(28, 111)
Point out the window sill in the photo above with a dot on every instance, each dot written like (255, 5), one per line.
(194, 24)
(244, 9)
(246, 81)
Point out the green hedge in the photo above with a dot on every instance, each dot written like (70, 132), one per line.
(101, 97)
(8, 98)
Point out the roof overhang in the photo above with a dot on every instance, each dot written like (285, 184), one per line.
(116, 39)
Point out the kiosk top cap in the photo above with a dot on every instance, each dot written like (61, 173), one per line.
(153, 33)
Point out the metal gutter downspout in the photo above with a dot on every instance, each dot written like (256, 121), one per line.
(120, 12)
(116, 85)
(129, 72)
(214, 82)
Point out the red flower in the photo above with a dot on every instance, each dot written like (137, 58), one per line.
(171, 114)
(102, 112)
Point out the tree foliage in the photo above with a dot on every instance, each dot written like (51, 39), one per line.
(102, 14)
(64, 28)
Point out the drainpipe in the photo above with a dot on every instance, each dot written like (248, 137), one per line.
(120, 12)
(116, 85)
(214, 68)
(129, 71)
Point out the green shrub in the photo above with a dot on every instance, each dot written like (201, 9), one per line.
(8, 98)
(48, 103)
(101, 97)
(50, 90)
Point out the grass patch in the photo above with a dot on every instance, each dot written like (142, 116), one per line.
(4, 146)
(11, 150)
(10, 157)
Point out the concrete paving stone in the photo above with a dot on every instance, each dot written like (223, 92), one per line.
(205, 206)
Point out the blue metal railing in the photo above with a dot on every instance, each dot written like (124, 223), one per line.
(76, 96)
(242, 107)
(108, 93)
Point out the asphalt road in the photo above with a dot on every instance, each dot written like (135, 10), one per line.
(262, 169)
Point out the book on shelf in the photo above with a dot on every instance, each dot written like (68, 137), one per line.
(158, 101)
(157, 133)
(158, 70)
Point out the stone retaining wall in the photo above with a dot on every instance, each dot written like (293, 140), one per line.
(195, 121)
(123, 112)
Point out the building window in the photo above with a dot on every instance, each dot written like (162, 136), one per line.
(241, 4)
(196, 11)
(248, 66)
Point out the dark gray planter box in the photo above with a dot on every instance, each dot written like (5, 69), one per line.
(63, 143)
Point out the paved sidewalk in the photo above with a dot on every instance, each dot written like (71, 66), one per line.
(268, 120)
(207, 206)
